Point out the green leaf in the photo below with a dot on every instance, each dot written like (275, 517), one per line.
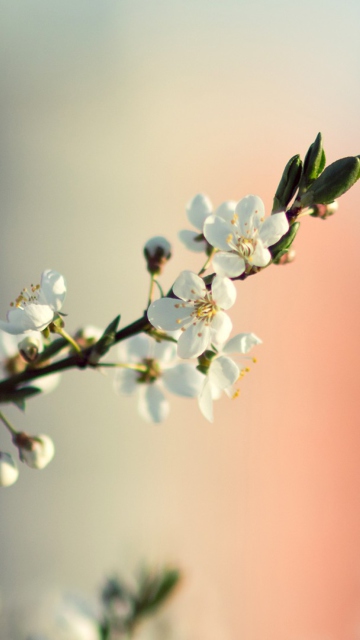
(314, 163)
(52, 350)
(283, 245)
(335, 180)
(19, 396)
(288, 184)
(106, 341)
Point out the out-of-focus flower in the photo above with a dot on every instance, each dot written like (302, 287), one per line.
(35, 451)
(88, 335)
(222, 372)
(157, 252)
(243, 236)
(155, 367)
(197, 211)
(8, 470)
(323, 211)
(12, 361)
(35, 309)
(198, 312)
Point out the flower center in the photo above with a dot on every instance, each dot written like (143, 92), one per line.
(27, 297)
(151, 373)
(205, 308)
(245, 247)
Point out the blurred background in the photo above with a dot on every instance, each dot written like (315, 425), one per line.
(113, 115)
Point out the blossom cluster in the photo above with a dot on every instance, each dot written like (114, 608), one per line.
(184, 347)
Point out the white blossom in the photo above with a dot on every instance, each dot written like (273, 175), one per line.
(35, 309)
(198, 210)
(198, 312)
(223, 372)
(159, 369)
(8, 470)
(243, 236)
(35, 451)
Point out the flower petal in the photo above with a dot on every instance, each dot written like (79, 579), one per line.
(261, 256)
(250, 210)
(218, 232)
(226, 210)
(135, 349)
(183, 380)
(164, 351)
(198, 209)
(273, 228)
(125, 381)
(8, 346)
(223, 292)
(168, 314)
(52, 289)
(46, 384)
(227, 263)
(192, 241)
(152, 404)
(241, 343)
(189, 286)
(34, 317)
(205, 401)
(221, 326)
(223, 372)
(194, 340)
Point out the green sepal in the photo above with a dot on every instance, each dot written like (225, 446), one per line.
(314, 163)
(106, 341)
(335, 180)
(153, 590)
(283, 245)
(288, 184)
(19, 396)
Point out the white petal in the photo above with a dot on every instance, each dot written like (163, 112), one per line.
(125, 381)
(152, 404)
(221, 326)
(192, 241)
(41, 454)
(261, 256)
(8, 470)
(250, 209)
(206, 402)
(226, 210)
(228, 264)
(241, 343)
(194, 340)
(183, 380)
(46, 384)
(189, 286)
(273, 228)
(8, 345)
(164, 351)
(223, 292)
(135, 349)
(218, 232)
(168, 314)
(52, 289)
(34, 317)
(198, 209)
(223, 372)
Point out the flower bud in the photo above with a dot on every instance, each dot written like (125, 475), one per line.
(157, 252)
(29, 348)
(287, 257)
(324, 210)
(35, 451)
(8, 470)
(88, 335)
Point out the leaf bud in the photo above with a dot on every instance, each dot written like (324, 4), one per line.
(8, 470)
(314, 163)
(288, 184)
(335, 180)
(35, 451)
(157, 252)
(29, 348)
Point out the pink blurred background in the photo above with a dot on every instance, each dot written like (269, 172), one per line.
(114, 114)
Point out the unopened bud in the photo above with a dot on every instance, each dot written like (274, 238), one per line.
(157, 252)
(88, 335)
(287, 257)
(29, 348)
(324, 210)
(35, 451)
(8, 470)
